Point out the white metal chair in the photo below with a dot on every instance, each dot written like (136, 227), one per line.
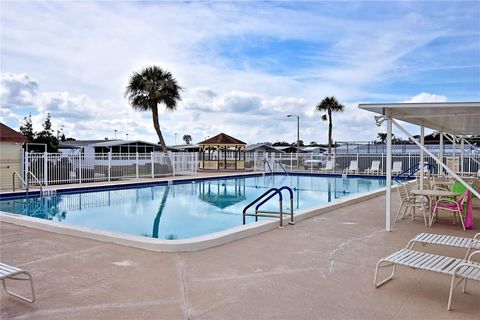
(329, 166)
(397, 167)
(353, 168)
(374, 169)
(410, 202)
(9, 272)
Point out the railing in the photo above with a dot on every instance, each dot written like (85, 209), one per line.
(58, 168)
(264, 198)
(416, 168)
(292, 162)
(26, 182)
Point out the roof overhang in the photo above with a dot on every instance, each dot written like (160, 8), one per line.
(458, 118)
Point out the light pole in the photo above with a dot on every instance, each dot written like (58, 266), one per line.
(175, 138)
(298, 129)
(115, 138)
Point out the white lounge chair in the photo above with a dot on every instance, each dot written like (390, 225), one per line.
(425, 238)
(329, 166)
(353, 168)
(375, 168)
(465, 269)
(9, 272)
(397, 167)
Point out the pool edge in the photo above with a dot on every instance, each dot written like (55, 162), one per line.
(182, 245)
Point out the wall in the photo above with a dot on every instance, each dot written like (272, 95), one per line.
(10, 161)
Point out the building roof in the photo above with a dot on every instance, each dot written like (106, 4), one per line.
(222, 139)
(253, 147)
(458, 118)
(7, 134)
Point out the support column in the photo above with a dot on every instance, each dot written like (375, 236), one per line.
(440, 155)
(388, 204)
(462, 151)
(422, 155)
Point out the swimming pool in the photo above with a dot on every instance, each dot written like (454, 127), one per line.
(184, 209)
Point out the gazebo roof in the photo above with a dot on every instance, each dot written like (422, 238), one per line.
(222, 139)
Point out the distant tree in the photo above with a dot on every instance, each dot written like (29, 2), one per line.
(382, 137)
(151, 87)
(313, 144)
(26, 128)
(187, 138)
(300, 143)
(329, 105)
(46, 135)
(280, 144)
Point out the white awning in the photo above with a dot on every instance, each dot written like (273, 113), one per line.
(458, 118)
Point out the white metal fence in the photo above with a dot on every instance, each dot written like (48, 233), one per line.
(310, 162)
(57, 168)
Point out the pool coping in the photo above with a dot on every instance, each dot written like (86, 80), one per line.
(182, 245)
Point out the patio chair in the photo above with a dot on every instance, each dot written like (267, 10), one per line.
(397, 167)
(464, 269)
(375, 168)
(353, 168)
(9, 272)
(329, 166)
(410, 202)
(448, 204)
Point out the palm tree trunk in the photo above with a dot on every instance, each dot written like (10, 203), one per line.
(156, 125)
(330, 127)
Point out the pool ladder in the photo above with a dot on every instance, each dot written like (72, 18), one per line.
(26, 183)
(264, 198)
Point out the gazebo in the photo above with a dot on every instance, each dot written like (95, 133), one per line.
(222, 152)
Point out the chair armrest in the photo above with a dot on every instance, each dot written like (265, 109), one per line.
(472, 254)
(476, 236)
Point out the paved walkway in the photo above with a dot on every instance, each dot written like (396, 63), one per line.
(321, 268)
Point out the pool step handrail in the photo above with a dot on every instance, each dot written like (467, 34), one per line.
(27, 182)
(265, 162)
(280, 164)
(264, 198)
(417, 168)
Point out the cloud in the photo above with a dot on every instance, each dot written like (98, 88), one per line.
(17, 90)
(427, 97)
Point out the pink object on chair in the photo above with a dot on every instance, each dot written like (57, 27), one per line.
(455, 207)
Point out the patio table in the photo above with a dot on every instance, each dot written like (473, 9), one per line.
(432, 194)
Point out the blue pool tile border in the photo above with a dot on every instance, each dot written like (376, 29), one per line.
(133, 185)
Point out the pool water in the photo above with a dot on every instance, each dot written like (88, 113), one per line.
(185, 210)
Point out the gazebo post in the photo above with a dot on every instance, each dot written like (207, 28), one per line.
(218, 157)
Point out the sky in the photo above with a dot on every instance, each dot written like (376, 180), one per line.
(243, 66)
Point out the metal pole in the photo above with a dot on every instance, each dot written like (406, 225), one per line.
(422, 155)
(45, 167)
(440, 154)
(388, 204)
(462, 151)
(298, 136)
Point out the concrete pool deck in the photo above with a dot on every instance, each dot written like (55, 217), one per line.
(320, 268)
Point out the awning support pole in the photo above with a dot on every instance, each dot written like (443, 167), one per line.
(388, 204)
(422, 156)
(449, 171)
(440, 155)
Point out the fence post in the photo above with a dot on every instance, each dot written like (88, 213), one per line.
(152, 159)
(109, 164)
(291, 162)
(409, 161)
(136, 165)
(172, 160)
(45, 168)
(25, 169)
(80, 168)
(358, 163)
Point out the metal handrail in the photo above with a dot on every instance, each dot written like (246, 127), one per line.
(26, 183)
(269, 166)
(270, 214)
(418, 168)
(282, 166)
(36, 179)
(15, 173)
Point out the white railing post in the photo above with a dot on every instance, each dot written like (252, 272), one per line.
(196, 162)
(109, 164)
(25, 169)
(80, 168)
(172, 160)
(152, 159)
(136, 165)
(291, 162)
(45, 168)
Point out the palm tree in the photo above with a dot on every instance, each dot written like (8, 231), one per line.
(149, 88)
(329, 105)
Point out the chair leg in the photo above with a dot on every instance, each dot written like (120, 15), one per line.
(398, 212)
(17, 295)
(381, 283)
(450, 295)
